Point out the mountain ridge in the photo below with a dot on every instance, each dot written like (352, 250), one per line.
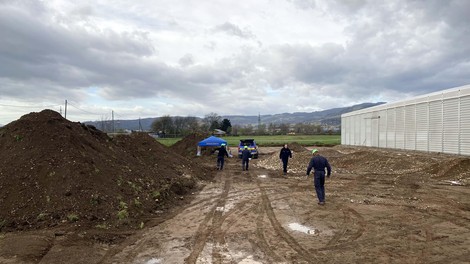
(331, 117)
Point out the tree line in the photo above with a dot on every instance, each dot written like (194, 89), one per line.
(168, 125)
(182, 126)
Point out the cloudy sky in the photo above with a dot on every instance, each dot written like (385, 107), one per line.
(148, 58)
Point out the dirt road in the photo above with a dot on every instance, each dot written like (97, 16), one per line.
(404, 211)
(260, 216)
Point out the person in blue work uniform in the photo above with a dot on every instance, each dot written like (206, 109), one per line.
(284, 155)
(319, 163)
(221, 156)
(246, 155)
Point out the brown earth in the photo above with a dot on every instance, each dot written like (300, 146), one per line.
(383, 206)
(188, 145)
(55, 172)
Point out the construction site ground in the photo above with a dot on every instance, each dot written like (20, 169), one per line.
(382, 206)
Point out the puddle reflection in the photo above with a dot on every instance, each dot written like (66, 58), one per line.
(303, 229)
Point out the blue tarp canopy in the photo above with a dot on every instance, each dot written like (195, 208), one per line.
(211, 142)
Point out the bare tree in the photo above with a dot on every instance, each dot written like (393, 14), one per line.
(236, 129)
(192, 124)
(179, 124)
(271, 128)
(163, 125)
(212, 121)
(261, 129)
(283, 129)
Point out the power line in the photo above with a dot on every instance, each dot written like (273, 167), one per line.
(85, 111)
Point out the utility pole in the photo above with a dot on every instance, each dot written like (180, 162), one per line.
(65, 116)
(112, 118)
(140, 126)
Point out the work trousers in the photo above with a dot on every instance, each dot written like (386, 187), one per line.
(319, 182)
(220, 162)
(284, 165)
(245, 164)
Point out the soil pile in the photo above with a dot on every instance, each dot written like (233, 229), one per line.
(54, 171)
(296, 147)
(358, 161)
(188, 145)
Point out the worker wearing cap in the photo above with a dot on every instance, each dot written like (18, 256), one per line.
(246, 155)
(221, 156)
(319, 163)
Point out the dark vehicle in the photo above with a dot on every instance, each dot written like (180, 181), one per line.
(251, 144)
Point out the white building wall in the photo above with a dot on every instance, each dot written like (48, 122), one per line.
(435, 126)
(422, 126)
(382, 129)
(410, 126)
(464, 130)
(400, 127)
(436, 122)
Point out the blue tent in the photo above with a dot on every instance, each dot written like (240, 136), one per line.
(211, 142)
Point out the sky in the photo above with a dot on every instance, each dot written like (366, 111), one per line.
(149, 58)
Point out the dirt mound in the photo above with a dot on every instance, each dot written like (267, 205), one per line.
(297, 164)
(380, 161)
(358, 161)
(454, 168)
(188, 145)
(296, 147)
(53, 171)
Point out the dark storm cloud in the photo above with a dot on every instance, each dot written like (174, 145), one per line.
(389, 47)
(68, 56)
(406, 45)
(36, 52)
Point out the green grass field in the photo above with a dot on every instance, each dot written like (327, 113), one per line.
(280, 140)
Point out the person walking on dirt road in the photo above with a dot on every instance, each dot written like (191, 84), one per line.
(221, 156)
(246, 155)
(319, 163)
(284, 155)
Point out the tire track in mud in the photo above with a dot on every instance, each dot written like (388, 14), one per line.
(428, 239)
(238, 211)
(262, 243)
(345, 236)
(452, 209)
(219, 232)
(204, 230)
(210, 200)
(226, 220)
(292, 242)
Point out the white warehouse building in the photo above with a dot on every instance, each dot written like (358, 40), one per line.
(435, 122)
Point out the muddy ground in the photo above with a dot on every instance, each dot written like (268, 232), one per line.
(382, 206)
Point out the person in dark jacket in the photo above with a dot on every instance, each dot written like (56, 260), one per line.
(246, 155)
(319, 163)
(284, 155)
(221, 156)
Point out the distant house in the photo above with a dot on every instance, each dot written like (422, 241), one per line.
(218, 132)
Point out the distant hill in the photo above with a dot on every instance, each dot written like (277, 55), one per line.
(132, 124)
(330, 117)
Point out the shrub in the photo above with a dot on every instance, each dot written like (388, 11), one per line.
(122, 214)
(72, 217)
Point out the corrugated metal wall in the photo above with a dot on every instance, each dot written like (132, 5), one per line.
(437, 122)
